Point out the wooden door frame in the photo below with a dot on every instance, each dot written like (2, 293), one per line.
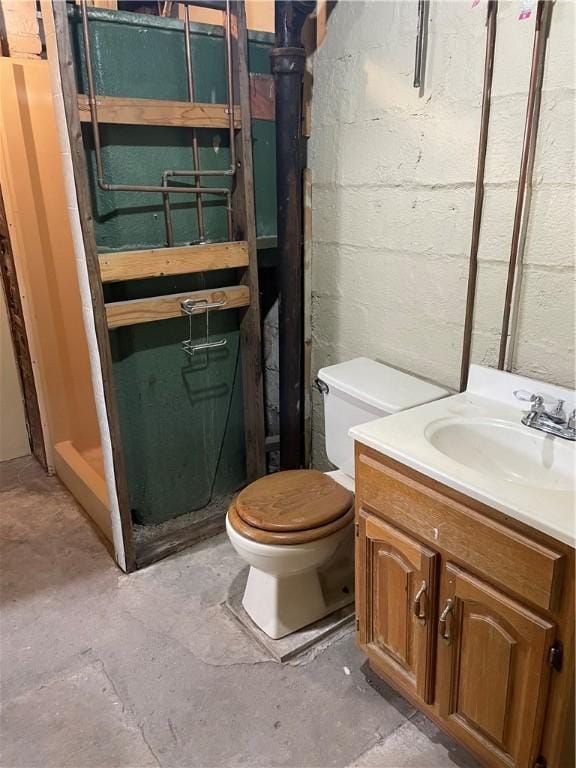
(70, 98)
(250, 331)
(244, 219)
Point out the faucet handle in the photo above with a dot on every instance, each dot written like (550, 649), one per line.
(555, 413)
(536, 404)
(529, 397)
(536, 397)
(571, 421)
(524, 395)
(558, 413)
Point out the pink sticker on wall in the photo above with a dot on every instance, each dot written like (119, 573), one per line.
(525, 10)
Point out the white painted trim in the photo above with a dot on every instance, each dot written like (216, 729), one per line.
(82, 272)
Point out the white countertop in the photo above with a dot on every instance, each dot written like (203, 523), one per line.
(542, 504)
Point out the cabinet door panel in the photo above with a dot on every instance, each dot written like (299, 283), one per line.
(396, 593)
(492, 669)
(390, 622)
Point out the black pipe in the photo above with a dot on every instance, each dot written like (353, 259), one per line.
(288, 64)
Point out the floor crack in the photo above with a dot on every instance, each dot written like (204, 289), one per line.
(140, 727)
(126, 710)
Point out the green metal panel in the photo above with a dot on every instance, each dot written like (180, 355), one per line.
(181, 418)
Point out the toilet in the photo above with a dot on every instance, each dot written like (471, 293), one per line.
(295, 528)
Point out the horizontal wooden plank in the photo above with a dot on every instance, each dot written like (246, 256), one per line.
(156, 262)
(148, 310)
(114, 109)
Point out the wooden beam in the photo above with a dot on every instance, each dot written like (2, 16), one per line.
(114, 109)
(307, 312)
(20, 340)
(175, 539)
(82, 185)
(157, 262)
(148, 310)
(245, 229)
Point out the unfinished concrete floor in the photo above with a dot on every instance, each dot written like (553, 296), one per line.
(103, 669)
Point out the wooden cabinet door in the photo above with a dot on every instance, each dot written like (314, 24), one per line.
(493, 672)
(396, 598)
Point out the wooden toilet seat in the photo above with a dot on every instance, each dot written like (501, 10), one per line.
(291, 507)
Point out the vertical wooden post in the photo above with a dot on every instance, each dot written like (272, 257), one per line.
(245, 229)
(307, 314)
(20, 341)
(70, 93)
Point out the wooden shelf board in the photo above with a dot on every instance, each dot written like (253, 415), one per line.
(157, 262)
(123, 111)
(148, 310)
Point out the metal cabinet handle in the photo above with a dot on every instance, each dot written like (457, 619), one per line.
(419, 611)
(443, 626)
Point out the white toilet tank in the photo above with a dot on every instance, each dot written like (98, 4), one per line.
(362, 390)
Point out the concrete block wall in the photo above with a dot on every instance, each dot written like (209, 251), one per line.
(393, 191)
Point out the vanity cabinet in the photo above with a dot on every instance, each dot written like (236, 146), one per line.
(467, 613)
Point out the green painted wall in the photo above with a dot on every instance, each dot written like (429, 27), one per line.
(181, 417)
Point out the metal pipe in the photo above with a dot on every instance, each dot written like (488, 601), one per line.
(195, 152)
(163, 190)
(91, 89)
(420, 40)
(288, 64)
(527, 206)
(196, 171)
(96, 129)
(491, 16)
(219, 191)
(168, 218)
(230, 88)
(231, 171)
(540, 34)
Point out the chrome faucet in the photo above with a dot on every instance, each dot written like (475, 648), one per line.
(553, 421)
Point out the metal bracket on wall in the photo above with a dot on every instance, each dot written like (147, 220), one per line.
(195, 306)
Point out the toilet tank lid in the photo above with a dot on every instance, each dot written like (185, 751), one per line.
(378, 385)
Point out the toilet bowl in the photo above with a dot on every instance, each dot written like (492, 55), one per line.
(287, 526)
(295, 528)
(284, 591)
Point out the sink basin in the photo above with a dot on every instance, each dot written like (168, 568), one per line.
(506, 451)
